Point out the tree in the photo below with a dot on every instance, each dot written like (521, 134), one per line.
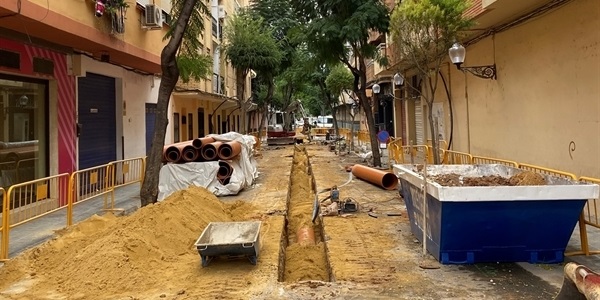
(338, 81)
(423, 30)
(249, 45)
(338, 31)
(178, 57)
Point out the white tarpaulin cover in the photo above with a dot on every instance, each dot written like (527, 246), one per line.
(175, 177)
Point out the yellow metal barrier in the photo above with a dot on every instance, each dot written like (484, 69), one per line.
(395, 153)
(547, 171)
(589, 216)
(3, 252)
(30, 200)
(256, 136)
(128, 171)
(450, 157)
(88, 184)
(416, 154)
(345, 133)
(363, 136)
(478, 160)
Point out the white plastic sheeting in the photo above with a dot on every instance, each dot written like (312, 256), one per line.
(175, 177)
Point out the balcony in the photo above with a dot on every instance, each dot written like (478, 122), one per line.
(218, 84)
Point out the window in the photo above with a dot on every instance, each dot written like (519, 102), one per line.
(23, 129)
(176, 128)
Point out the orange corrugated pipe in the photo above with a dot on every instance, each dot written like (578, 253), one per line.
(386, 180)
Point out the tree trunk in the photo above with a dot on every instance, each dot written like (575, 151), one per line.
(335, 124)
(170, 75)
(352, 133)
(434, 139)
(366, 105)
(240, 86)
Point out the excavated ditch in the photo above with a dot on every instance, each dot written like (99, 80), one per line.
(303, 251)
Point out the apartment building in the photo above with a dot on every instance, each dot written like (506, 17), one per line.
(79, 83)
(209, 106)
(542, 105)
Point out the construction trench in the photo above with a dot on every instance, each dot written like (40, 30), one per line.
(303, 250)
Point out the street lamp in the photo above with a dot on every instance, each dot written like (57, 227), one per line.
(398, 79)
(457, 55)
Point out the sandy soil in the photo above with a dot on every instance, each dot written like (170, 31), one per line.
(150, 254)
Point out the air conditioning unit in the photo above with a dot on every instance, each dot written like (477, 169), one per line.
(153, 19)
(222, 12)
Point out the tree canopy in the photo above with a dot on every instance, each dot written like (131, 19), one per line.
(422, 31)
(338, 31)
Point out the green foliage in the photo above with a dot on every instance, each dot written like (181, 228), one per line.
(249, 45)
(423, 30)
(196, 68)
(333, 27)
(192, 63)
(339, 79)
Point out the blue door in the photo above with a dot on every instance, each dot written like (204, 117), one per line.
(150, 119)
(97, 120)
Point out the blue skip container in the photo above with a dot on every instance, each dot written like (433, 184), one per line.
(474, 224)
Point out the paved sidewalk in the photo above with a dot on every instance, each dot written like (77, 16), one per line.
(35, 232)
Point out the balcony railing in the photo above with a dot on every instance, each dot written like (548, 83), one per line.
(218, 84)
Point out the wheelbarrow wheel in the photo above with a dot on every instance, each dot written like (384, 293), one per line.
(253, 259)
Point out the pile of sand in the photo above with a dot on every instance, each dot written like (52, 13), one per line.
(108, 255)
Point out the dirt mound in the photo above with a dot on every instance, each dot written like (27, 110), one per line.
(527, 178)
(107, 255)
(523, 178)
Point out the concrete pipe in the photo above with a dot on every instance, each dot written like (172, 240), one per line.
(210, 151)
(190, 153)
(199, 142)
(224, 181)
(225, 170)
(305, 235)
(173, 153)
(386, 180)
(230, 150)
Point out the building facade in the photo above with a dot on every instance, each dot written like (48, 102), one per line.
(79, 84)
(543, 106)
(209, 106)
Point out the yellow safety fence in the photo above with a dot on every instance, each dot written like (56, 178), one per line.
(30, 200)
(345, 133)
(478, 160)
(450, 157)
(589, 216)
(363, 137)
(2, 250)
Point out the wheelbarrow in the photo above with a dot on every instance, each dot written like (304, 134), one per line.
(230, 239)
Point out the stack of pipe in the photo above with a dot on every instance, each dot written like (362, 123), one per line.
(187, 151)
(205, 149)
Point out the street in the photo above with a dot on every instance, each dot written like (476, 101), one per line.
(150, 254)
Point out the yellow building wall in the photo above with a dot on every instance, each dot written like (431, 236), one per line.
(547, 95)
(83, 13)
